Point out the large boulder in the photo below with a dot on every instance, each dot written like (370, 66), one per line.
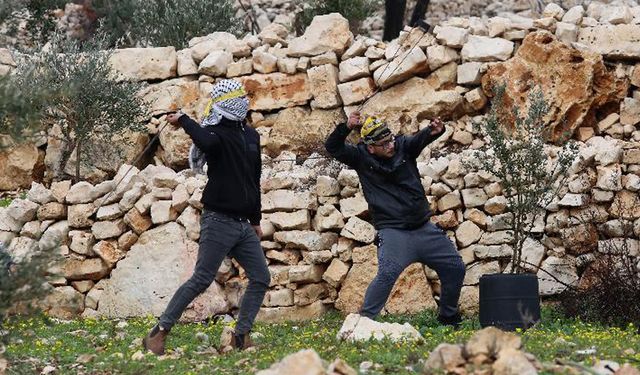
(19, 166)
(576, 85)
(329, 32)
(301, 130)
(410, 294)
(276, 90)
(407, 104)
(144, 64)
(144, 282)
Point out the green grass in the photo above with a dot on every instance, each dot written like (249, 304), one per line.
(37, 342)
(5, 202)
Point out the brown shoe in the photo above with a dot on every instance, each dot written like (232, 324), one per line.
(154, 341)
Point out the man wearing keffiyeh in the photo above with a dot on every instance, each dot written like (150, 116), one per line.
(230, 222)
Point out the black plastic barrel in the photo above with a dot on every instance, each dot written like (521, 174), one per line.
(509, 301)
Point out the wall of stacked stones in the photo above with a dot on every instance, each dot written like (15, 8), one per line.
(125, 252)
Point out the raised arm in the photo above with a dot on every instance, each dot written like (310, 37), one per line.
(336, 146)
(417, 142)
(202, 138)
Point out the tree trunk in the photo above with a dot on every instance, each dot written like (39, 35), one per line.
(419, 12)
(77, 177)
(394, 18)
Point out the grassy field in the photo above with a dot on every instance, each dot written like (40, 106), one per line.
(112, 346)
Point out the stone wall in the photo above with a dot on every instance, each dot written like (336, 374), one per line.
(127, 257)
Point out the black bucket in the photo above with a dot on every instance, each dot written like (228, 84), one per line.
(509, 301)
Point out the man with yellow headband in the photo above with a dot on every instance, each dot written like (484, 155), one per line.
(230, 222)
(388, 172)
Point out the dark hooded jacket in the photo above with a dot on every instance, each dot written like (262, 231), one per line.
(392, 187)
(232, 151)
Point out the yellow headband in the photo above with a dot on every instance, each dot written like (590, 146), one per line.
(230, 95)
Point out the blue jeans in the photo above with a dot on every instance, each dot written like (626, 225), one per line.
(222, 236)
(398, 248)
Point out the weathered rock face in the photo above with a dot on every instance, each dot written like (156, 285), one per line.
(276, 90)
(325, 33)
(19, 166)
(161, 260)
(575, 84)
(612, 41)
(176, 144)
(172, 95)
(300, 130)
(405, 105)
(144, 64)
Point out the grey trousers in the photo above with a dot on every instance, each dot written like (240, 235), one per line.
(222, 236)
(398, 248)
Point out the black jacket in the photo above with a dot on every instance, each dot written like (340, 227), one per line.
(232, 151)
(392, 186)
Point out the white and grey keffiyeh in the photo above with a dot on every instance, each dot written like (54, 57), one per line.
(229, 100)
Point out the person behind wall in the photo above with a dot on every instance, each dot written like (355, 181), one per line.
(230, 221)
(388, 172)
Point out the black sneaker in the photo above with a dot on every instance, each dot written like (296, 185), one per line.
(453, 321)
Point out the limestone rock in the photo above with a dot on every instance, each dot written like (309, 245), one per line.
(561, 268)
(276, 90)
(297, 128)
(566, 77)
(445, 357)
(304, 362)
(328, 217)
(359, 230)
(63, 303)
(144, 64)
(216, 63)
(297, 220)
(612, 41)
(438, 56)
(161, 260)
(18, 166)
(451, 36)
(336, 273)
(90, 269)
(287, 200)
(407, 104)
(324, 85)
(264, 62)
(326, 33)
(291, 313)
(359, 328)
(482, 48)
(80, 215)
(175, 145)
(490, 341)
(308, 240)
(108, 229)
(513, 361)
(404, 66)
(354, 68)
(356, 91)
(186, 65)
(467, 234)
(172, 95)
